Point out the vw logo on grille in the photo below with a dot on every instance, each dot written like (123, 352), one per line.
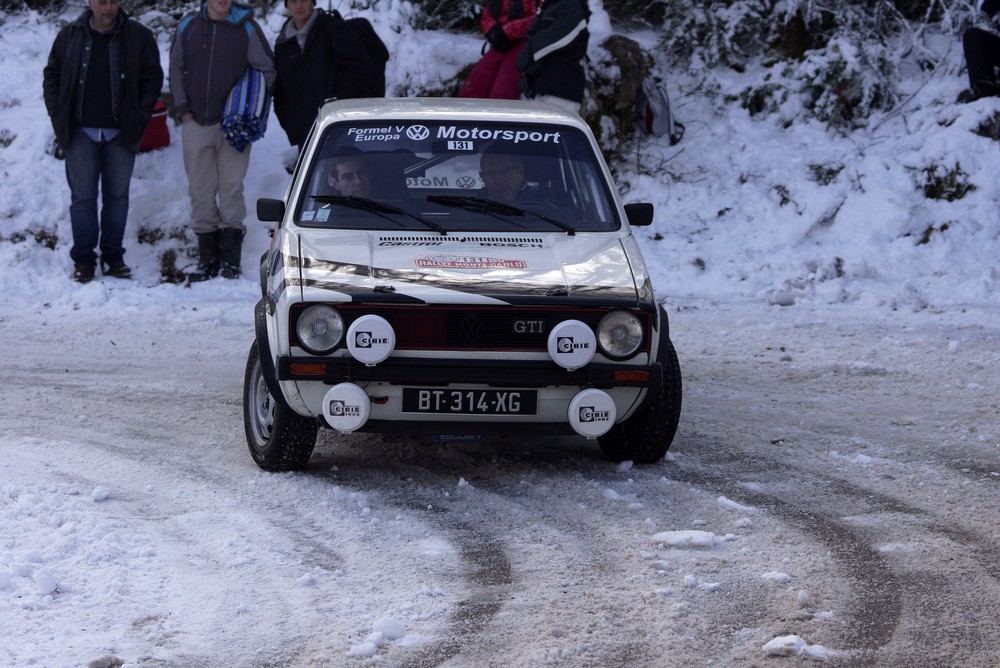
(471, 329)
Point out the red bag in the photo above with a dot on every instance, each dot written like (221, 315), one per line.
(157, 134)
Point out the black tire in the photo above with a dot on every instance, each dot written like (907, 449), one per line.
(645, 438)
(279, 440)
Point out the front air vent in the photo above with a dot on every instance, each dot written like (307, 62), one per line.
(435, 240)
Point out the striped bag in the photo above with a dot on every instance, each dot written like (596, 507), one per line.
(244, 118)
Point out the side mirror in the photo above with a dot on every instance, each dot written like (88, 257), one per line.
(639, 214)
(270, 210)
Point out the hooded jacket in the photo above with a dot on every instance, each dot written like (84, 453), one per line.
(552, 61)
(135, 64)
(208, 57)
(333, 63)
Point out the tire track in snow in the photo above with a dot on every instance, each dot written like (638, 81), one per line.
(488, 569)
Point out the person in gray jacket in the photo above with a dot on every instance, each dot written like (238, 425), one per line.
(211, 50)
(100, 84)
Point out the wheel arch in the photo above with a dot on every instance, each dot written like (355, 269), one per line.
(264, 354)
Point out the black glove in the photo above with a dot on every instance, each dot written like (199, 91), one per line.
(498, 38)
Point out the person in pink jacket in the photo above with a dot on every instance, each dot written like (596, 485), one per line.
(505, 25)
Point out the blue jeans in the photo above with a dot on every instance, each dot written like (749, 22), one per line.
(87, 163)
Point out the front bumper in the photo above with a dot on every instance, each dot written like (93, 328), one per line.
(491, 373)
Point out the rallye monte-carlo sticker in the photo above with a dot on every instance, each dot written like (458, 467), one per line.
(459, 262)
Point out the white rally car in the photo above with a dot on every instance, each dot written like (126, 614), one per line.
(446, 268)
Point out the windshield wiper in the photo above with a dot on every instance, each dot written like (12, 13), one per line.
(375, 206)
(493, 206)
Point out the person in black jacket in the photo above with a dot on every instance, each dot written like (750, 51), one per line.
(100, 84)
(552, 61)
(982, 56)
(317, 57)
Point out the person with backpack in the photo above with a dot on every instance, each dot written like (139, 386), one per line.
(211, 51)
(320, 56)
(100, 83)
(505, 25)
(552, 59)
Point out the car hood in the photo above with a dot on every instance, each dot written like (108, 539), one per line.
(468, 268)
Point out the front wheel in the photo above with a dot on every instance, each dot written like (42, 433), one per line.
(279, 440)
(646, 437)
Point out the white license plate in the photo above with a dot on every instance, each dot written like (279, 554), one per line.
(469, 402)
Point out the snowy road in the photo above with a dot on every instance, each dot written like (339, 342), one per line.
(833, 490)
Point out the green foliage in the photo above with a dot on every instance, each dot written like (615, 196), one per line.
(825, 174)
(989, 127)
(446, 14)
(844, 83)
(946, 183)
(718, 33)
(43, 237)
(839, 59)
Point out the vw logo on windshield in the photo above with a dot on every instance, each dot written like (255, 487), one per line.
(417, 132)
(465, 182)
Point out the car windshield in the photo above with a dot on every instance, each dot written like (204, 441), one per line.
(456, 176)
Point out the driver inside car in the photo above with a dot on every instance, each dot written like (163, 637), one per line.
(503, 177)
(350, 176)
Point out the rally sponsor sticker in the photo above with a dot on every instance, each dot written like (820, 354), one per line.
(467, 262)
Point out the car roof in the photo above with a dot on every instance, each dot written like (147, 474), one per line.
(443, 108)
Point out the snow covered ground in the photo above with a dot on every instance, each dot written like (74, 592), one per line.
(832, 493)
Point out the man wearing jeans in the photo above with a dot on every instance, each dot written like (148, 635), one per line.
(101, 82)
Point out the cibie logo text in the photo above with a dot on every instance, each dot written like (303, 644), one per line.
(339, 409)
(366, 340)
(590, 414)
(565, 344)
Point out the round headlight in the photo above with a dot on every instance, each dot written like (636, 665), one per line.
(619, 334)
(319, 329)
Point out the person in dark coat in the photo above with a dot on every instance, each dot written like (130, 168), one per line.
(505, 25)
(317, 57)
(552, 60)
(100, 84)
(982, 57)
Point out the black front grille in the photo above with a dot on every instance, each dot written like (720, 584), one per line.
(473, 328)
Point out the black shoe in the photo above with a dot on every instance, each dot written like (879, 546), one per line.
(116, 268)
(201, 276)
(987, 89)
(966, 96)
(229, 271)
(230, 250)
(208, 258)
(83, 273)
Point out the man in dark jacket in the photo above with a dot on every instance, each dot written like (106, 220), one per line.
(100, 84)
(552, 61)
(982, 57)
(211, 50)
(317, 57)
